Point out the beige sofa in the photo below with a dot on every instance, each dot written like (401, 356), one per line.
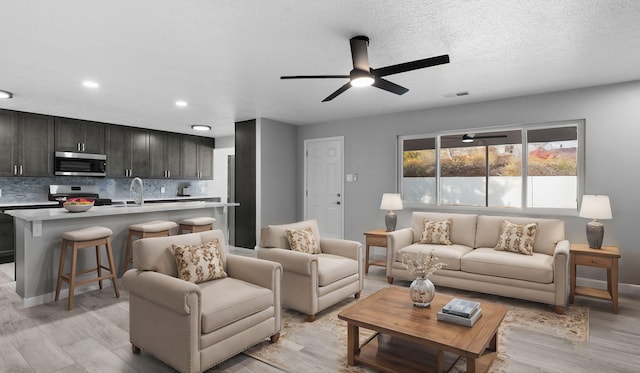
(193, 327)
(472, 263)
(313, 282)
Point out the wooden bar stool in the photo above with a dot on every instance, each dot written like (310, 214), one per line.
(194, 225)
(82, 239)
(156, 228)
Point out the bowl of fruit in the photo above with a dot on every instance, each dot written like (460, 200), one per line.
(78, 204)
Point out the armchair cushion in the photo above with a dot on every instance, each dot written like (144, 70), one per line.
(199, 263)
(276, 236)
(227, 300)
(332, 268)
(303, 240)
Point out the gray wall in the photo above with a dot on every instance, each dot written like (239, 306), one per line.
(277, 181)
(611, 112)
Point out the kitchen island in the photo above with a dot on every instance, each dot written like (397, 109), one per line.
(38, 235)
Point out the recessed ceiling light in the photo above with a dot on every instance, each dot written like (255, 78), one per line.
(200, 127)
(90, 84)
(5, 94)
(180, 103)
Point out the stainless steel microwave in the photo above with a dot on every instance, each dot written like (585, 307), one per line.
(80, 164)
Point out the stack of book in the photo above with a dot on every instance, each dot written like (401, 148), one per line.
(460, 311)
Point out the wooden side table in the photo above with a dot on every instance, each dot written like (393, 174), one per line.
(378, 238)
(606, 257)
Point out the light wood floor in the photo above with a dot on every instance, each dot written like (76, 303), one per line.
(94, 337)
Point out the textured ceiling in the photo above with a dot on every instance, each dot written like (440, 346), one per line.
(225, 57)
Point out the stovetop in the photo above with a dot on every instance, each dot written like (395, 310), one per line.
(61, 193)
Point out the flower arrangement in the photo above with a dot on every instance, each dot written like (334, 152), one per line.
(422, 265)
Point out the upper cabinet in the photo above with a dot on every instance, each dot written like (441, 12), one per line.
(73, 135)
(165, 155)
(127, 152)
(197, 157)
(26, 144)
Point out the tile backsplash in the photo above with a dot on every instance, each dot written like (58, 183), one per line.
(24, 189)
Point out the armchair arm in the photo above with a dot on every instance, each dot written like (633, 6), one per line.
(291, 261)
(164, 290)
(560, 271)
(346, 248)
(396, 240)
(260, 272)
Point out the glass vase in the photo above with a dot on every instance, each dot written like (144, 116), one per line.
(422, 292)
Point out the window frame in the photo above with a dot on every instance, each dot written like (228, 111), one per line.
(524, 128)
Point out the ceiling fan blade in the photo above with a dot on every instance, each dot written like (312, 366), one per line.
(389, 86)
(338, 92)
(359, 53)
(413, 65)
(491, 137)
(315, 77)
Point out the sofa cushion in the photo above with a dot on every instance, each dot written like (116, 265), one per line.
(487, 261)
(227, 300)
(436, 232)
(517, 238)
(276, 235)
(449, 255)
(332, 268)
(548, 234)
(199, 263)
(463, 227)
(303, 241)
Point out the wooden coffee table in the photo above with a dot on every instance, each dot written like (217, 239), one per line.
(411, 339)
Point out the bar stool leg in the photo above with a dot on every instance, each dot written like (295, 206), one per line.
(63, 256)
(99, 267)
(128, 253)
(112, 267)
(72, 275)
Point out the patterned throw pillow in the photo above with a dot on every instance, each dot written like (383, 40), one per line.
(517, 238)
(303, 241)
(199, 263)
(436, 232)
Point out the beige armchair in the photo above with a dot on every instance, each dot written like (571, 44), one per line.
(313, 282)
(193, 327)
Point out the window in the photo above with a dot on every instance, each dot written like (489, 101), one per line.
(527, 167)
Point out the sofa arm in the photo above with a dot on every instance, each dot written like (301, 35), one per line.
(346, 248)
(560, 271)
(396, 240)
(166, 291)
(264, 273)
(291, 261)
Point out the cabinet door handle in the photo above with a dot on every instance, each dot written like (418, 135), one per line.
(169, 173)
(20, 170)
(15, 170)
(83, 146)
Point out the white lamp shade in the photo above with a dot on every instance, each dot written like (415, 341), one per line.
(595, 207)
(391, 201)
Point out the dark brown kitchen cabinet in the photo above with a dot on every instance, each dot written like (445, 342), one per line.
(165, 155)
(197, 157)
(26, 144)
(74, 135)
(127, 152)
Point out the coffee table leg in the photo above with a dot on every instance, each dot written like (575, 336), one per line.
(353, 343)
(471, 365)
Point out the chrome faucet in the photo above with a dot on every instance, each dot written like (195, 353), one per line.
(132, 188)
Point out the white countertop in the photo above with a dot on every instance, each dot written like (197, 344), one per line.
(97, 211)
(32, 203)
(167, 198)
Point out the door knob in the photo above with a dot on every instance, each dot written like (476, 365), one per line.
(338, 202)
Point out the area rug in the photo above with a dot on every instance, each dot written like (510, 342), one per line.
(320, 346)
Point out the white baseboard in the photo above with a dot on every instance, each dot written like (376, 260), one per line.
(623, 288)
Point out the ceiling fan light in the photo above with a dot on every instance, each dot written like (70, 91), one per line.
(467, 138)
(362, 81)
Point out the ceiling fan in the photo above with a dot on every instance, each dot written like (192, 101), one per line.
(364, 75)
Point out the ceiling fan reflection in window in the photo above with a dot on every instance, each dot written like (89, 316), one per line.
(364, 75)
(470, 137)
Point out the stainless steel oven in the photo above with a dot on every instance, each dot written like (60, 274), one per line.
(80, 164)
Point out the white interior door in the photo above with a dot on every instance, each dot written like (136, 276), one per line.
(324, 185)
